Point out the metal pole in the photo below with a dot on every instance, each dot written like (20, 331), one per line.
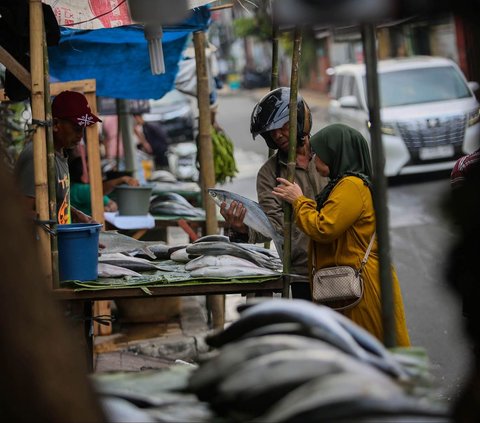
(126, 129)
(292, 157)
(379, 185)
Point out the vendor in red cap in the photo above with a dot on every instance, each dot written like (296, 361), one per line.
(71, 115)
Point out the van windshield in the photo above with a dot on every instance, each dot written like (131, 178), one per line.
(425, 85)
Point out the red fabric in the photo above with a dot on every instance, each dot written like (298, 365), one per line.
(463, 167)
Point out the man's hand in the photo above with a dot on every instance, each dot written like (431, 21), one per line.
(111, 206)
(234, 216)
(80, 217)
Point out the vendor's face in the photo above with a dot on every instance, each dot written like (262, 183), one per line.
(66, 133)
(281, 137)
(321, 166)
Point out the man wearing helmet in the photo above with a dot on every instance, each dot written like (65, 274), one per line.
(270, 119)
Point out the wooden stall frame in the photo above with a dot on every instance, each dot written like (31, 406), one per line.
(88, 88)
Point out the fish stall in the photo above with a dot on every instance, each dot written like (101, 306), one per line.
(155, 283)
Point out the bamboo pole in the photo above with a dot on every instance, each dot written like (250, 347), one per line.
(52, 189)
(379, 185)
(274, 75)
(94, 162)
(275, 37)
(39, 147)
(292, 156)
(100, 308)
(207, 170)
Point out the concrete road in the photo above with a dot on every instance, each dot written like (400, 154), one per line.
(420, 241)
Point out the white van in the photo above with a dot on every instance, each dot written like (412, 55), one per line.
(429, 112)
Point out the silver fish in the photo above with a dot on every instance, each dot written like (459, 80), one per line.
(118, 243)
(170, 196)
(132, 263)
(173, 208)
(321, 323)
(180, 256)
(231, 271)
(212, 238)
(233, 249)
(255, 217)
(159, 249)
(352, 397)
(205, 379)
(106, 270)
(264, 380)
(222, 260)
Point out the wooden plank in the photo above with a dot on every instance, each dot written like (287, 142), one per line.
(16, 68)
(275, 285)
(82, 85)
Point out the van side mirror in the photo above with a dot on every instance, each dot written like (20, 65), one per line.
(474, 85)
(349, 102)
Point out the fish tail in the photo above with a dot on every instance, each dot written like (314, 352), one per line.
(149, 252)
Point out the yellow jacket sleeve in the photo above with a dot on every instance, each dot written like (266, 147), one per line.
(344, 206)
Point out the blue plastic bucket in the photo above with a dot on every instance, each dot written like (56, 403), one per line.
(78, 251)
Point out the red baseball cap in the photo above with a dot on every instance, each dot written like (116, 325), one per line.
(73, 106)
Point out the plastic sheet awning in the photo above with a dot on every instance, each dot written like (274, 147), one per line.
(117, 58)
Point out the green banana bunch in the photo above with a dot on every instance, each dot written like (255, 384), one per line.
(223, 158)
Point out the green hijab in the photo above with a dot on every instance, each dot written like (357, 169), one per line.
(346, 152)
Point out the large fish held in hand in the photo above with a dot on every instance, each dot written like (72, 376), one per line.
(255, 217)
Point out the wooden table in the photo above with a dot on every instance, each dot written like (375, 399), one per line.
(79, 302)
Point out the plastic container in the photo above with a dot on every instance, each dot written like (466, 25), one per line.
(133, 201)
(78, 251)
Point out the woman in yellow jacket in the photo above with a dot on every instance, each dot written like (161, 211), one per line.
(341, 222)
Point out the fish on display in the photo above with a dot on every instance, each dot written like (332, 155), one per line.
(180, 255)
(231, 271)
(174, 208)
(264, 380)
(232, 249)
(259, 249)
(321, 323)
(118, 243)
(106, 270)
(132, 263)
(255, 217)
(170, 196)
(204, 380)
(212, 238)
(352, 397)
(159, 249)
(222, 260)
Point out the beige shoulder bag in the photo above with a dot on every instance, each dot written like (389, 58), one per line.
(340, 283)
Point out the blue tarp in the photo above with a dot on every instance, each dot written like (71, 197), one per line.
(118, 57)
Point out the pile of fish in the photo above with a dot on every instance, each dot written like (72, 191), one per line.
(173, 204)
(212, 256)
(294, 361)
(281, 361)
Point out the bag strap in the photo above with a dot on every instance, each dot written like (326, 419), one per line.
(367, 253)
(351, 305)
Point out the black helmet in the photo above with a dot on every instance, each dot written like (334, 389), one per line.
(272, 112)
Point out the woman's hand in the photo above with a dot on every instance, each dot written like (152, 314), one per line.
(287, 191)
